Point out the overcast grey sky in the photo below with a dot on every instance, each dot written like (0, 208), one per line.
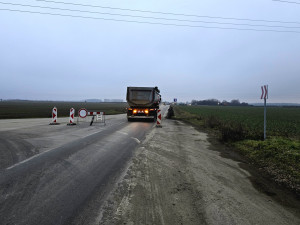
(44, 57)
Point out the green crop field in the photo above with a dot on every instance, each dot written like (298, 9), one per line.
(281, 121)
(42, 109)
(242, 129)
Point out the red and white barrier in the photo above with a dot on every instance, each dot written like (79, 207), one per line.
(100, 116)
(54, 116)
(71, 119)
(83, 113)
(95, 113)
(158, 120)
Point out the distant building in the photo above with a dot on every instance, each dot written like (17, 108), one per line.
(93, 100)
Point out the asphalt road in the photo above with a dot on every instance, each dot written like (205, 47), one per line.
(60, 174)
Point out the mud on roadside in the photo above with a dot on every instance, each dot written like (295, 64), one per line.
(178, 177)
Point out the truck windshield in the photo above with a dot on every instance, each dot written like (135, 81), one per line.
(141, 94)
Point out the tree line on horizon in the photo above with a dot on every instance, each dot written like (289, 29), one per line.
(234, 102)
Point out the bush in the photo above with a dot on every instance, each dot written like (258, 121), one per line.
(212, 122)
(232, 132)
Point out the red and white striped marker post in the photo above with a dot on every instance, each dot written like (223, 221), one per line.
(158, 120)
(54, 116)
(264, 92)
(265, 96)
(71, 119)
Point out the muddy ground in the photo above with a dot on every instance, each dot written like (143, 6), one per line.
(178, 177)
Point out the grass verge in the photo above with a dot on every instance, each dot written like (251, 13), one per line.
(278, 156)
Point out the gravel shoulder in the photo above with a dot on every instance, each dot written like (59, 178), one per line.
(178, 177)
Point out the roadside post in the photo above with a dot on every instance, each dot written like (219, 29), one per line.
(92, 121)
(158, 120)
(54, 116)
(265, 96)
(71, 119)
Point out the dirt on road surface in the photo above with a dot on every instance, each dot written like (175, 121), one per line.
(178, 177)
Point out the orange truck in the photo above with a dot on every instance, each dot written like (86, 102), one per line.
(143, 103)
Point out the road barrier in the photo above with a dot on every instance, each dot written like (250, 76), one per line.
(158, 120)
(100, 117)
(54, 116)
(71, 119)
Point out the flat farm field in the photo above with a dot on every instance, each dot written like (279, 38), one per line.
(281, 121)
(43, 109)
